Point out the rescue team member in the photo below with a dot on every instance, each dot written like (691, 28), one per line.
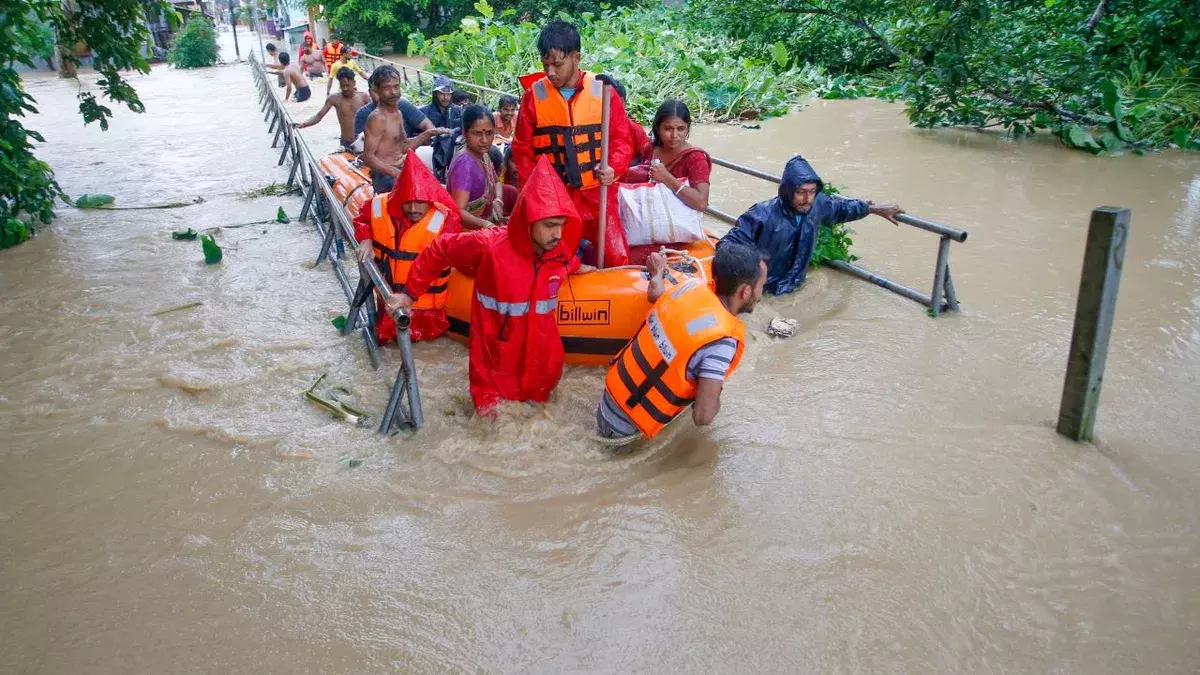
(690, 344)
(516, 350)
(560, 119)
(395, 228)
(786, 227)
(332, 51)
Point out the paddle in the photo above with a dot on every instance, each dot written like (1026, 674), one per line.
(602, 226)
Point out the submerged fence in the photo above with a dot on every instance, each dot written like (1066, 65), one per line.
(941, 297)
(328, 213)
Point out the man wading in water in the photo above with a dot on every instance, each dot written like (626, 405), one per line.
(291, 75)
(346, 103)
(386, 142)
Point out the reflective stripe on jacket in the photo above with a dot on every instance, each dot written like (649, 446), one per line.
(396, 251)
(568, 133)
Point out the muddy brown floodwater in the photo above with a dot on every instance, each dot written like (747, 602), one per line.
(883, 493)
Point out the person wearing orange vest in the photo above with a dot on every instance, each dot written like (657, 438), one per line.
(332, 52)
(394, 228)
(559, 119)
(691, 342)
(516, 350)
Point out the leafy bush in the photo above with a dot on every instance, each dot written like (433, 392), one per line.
(195, 46)
(653, 51)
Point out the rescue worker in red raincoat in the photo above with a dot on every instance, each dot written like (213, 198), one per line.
(516, 351)
(394, 228)
(560, 119)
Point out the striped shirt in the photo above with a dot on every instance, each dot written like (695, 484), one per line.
(711, 362)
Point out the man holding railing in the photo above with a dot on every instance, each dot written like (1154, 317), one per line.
(786, 228)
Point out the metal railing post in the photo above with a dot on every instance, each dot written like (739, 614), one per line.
(939, 276)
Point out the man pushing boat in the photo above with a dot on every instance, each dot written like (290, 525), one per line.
(516, 352)
(346, 102)
(386, 142)
(560, 119)
(394, 228)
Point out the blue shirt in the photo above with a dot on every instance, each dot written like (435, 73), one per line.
(413, 117)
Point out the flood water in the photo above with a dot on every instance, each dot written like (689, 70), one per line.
(882, 493)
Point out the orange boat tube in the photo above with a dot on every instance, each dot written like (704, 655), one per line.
(598, 313)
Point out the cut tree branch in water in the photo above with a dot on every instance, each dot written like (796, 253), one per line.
(853, 21)
(1096, 16)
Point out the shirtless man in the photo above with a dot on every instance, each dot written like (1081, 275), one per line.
(313, 63)
(386, 142)
(346, 103)
(291, 75)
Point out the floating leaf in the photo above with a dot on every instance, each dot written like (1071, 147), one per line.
(212, 252)
(184, 235)
(176, 309)
(282, 217)
(351, 462)
(751, 126)
(339, 322)
(92, 201)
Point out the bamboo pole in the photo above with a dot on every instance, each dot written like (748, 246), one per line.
(602, 226)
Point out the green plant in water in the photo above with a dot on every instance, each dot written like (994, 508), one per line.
(833, 240)
(184, 235)
(212, 252)
(195, 46)
(282, 217)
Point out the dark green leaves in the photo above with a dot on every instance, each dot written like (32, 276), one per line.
(339, 322)
(91, 201)
(282, 217)
(195, 46)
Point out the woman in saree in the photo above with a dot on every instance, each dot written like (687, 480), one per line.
(482, 199)
(681, 166)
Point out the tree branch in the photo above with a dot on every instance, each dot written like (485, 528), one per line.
(1096, 15)
(856, 22)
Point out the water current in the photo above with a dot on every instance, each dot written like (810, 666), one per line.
(882, 493)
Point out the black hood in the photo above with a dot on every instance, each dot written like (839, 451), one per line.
(797, 172)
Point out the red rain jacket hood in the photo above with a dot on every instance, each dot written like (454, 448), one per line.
(417, 183)
(544, 196)
(516, 351)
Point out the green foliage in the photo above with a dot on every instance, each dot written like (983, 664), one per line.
(195, 46)
(115, 30)
(282, 217)
(1043, 65)
(833, 240)
(653, 51)
(212, 252)
(86, 201)
(375, 23)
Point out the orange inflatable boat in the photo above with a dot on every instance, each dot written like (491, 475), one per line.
(597, 313)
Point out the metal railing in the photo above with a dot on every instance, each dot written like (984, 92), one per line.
(328, 213)
(943, 285)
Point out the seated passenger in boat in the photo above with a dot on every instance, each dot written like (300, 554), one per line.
(678, 160)
(394, 228)
(786, 227)
(516, 351)
(482, 199)
(647, 386)
(506, 119)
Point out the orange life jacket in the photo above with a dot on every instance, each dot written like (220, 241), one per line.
(569, 133)
(397, 253)
(333, 53)
(648, 378)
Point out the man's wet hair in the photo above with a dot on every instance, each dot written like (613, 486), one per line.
(270, 46)
(559, 35)
(284, 58)
(508, 99)
(382, 73)
(345, 74)
(734, 265)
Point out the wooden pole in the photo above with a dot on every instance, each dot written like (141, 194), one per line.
(602, 226)
(1103, 258)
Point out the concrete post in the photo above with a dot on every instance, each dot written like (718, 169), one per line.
(1103, 258)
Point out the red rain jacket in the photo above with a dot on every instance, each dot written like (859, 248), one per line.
(587, 202)
(415, 184)
(516, 351)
